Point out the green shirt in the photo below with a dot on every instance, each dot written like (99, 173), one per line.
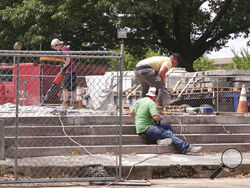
(144, 109)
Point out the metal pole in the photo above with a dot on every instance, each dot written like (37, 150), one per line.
(217, 98)
(17, 103)
(120, 106)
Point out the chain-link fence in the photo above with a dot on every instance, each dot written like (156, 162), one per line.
(49, 134)
(218, 89)
(54, 111)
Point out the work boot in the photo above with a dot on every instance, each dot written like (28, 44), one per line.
(75, 106)
(165, 142)
(192, 149)
(64, 105)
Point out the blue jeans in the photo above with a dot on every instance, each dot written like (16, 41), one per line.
(150, 77)
(162, 131)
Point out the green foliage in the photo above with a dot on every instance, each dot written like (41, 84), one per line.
(242, 63)
(203, 64)
(185, 27)
(151, 53)
(82, 24)
(130, 60)
(27, 21)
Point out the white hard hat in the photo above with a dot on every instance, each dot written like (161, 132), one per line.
(151, 92)
(55, 42)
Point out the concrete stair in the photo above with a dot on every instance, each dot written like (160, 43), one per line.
(45, 136)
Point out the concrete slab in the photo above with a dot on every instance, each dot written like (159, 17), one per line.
(141, 166)
(236, 182)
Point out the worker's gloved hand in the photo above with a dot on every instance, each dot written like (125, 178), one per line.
(157, 122)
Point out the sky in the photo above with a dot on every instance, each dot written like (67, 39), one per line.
(237, 44)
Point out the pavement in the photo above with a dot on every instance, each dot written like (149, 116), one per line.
(162, 170)
(238, 182)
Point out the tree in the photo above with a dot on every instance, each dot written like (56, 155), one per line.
(184, 26)
(28, 21)
(83, 24)
(204, 64)
(130, 61)
(242, 62)
(86, 24)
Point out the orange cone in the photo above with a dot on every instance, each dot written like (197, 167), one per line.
(242, 106)
(79, 97)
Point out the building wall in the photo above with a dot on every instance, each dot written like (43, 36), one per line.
(222, 62)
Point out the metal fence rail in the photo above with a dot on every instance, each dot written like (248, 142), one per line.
(69, 144)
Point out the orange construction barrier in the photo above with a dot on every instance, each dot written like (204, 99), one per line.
(79, 97)
(242, 106)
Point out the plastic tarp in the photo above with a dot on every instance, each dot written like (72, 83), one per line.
(100, 89)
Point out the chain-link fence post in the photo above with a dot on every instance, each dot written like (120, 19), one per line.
(121, 34)
(17, 118)
(217, 96)
(120, 106)
(17, 46)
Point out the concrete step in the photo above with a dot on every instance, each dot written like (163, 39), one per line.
(216, 138)
(67, 120)
(42, 136)
(114, 149)
(43, 141)
(77, 150)
(70, 130)
(46, 141)
(211, 128)
(126, 129)
(114, 120)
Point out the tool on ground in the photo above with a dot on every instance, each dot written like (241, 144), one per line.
(199, 110)
(59, 112)
(56, 83)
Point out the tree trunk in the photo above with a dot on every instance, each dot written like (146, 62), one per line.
(187, 62)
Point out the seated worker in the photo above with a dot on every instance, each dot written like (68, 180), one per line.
(152, 72)
(146, 115)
